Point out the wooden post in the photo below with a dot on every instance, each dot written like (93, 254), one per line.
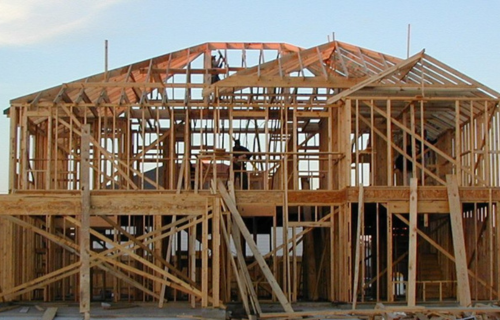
(85, 224)
(13, 150)
(204, 259)
(192, 259)
(458, 241)
(359, 232)
(309, 263)
(412, 257)
(458, 145)
(390, 174)
(333, 254)
(346, 144)
(497, 248)
(216, 252)
(390, 287)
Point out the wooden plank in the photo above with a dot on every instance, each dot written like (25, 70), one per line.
(239, 280)
(124, 249)
(204, 260)
(312, 114)
(432, 206)
(192, 261)
(412, 256)
(168, 203)
(251, 243)
(257, 210)
(497, 249)
(13, 156)
(216, 267)
(309, 197)
(50, 313)
(345, 145)
(357, 258)
(138, 243)
(167, 258)
(285, 82)
(245, 114)
(373, 79)
(84, 237)
(148, 204)
(389, 239)
(463, 287)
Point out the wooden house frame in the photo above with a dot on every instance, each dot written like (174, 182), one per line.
(371, 178)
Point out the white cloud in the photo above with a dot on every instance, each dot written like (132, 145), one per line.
(24, 22)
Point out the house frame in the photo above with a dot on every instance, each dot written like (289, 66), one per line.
(123, 184)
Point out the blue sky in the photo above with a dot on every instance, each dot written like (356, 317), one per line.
(45, 43)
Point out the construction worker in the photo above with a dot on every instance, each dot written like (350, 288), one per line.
(240, 156)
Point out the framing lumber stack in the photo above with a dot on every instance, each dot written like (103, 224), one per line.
(365, 170)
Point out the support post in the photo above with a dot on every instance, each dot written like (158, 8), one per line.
(216, 253)
(390, 286)
(458, 241)
(85, 224)
(412, 255)
(361, 212)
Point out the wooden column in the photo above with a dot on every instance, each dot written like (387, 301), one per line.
(204, 259)
(192, 259)
(458, 241)
(497, 248)
(359, 232)
(7, 252)
(458, 145)
(390, 287)
(85, 224)
(345, 145)
(216, 253)
(157, 220)
(13, 149)
(412, 256)
(308, 258)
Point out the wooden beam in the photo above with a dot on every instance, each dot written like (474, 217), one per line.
(389, 239)
(50, 313)
(359, 232)
(286, 82)
(216, 267)
(457, 230)
(412, 256)
(186, 287)
(251, 243)
(85, 295)
(403, 64)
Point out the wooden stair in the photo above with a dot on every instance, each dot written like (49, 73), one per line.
(429, 270)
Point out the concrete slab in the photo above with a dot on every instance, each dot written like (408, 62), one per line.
(113, 311)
